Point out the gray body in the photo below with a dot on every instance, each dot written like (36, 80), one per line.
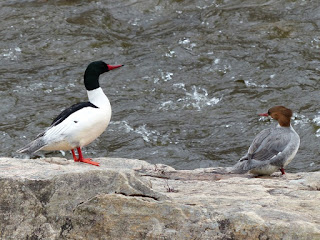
(272, 149)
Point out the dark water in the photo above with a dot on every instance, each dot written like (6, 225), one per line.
(196, 74)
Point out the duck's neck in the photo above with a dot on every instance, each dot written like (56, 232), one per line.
(98, 98)
(284, 122)
(91, 79)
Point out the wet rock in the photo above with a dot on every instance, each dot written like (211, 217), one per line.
(55, 198)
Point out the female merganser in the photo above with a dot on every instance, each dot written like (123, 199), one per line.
(272, 149)
(80, 124)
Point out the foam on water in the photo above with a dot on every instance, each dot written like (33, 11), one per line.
(121, 125)
(170, 54)
(147, 134)
(151, 136)
(11, 53)
(300, 119)
(197, 99)
(316, 121)
(186, 43)
(166, 76)
(252, 84)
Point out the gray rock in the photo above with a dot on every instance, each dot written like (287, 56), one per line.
(55, 198)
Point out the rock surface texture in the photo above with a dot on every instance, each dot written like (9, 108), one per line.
(55, 198)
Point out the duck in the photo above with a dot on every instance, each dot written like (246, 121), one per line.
(79, 125)
(273, 148)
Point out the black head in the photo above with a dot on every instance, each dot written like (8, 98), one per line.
(93, 71)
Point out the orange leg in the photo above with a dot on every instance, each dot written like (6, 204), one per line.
(82, 159)
(282, 171)
(74, 156)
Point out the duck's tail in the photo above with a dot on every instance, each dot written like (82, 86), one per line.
(239, 168)
(33, 147)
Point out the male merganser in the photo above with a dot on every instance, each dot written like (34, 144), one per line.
(80, 124)
(273, 148)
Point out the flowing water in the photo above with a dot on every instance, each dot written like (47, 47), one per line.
(196, 74)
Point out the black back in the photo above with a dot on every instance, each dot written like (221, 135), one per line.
(67, 112)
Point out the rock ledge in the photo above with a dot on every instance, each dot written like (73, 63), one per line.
(55, 198)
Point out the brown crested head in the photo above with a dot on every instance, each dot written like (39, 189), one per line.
(281, 114)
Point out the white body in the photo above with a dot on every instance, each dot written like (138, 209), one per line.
(81, 127)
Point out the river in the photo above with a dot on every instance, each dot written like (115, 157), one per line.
(196, 75)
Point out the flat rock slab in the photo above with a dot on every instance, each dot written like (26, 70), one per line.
(56, 198)
(50, 167)
(273, 207)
